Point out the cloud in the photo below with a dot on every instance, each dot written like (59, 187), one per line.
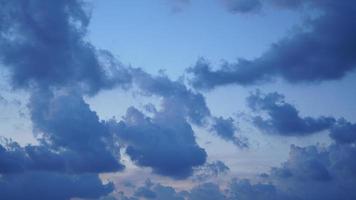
(283, 118)
(46, 185)
(323, 49)
(166, 142)
(318, 173)
(245, 190)
(343, 132)
(311, 172)
(242, 6)
(236, 190)
(65, 124)
(175, 94)
(207, 191)
(44, 44)
(210, 170)
(225, 128)
(12, 158)
(188, 103)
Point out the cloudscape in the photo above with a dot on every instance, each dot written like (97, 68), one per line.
(177, 100)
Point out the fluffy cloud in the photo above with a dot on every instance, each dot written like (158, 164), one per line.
(344, 132)
(318, 173)
(322, 50)
(45, 185)
(43, 44)
(283, 118)
(312, 172)
(178, 98)
(166, 142)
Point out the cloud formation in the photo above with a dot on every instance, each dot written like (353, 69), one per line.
(311, 172)
(226, 129)
(44, 44)
(344, 132)
(48, 185)
(190, 105)
(323, 49)
(283, 118)
(45, 53)
(165, 142)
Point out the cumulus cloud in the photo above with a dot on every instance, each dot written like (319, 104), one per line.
(46, 185)
(344, 132)
(44, 50)
(178, 98)
(236, 190)
(311, 172)
(318, 173)
(72, 132)
(44, 44)
(283, 118)
(324, 49)
(165, 142)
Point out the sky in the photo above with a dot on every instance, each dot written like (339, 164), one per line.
(177, 100)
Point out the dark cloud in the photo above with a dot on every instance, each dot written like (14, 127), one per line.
(175, 94)
(65, 124)
(154, 191)
(54, 186)
(225, 128)
(12, 158)
(236, 190)
(305, 164)
(74, 146)
(188, 103)
(44, 44)
(318, 172)
(245, 190)
(207, 191)
(343, 132)
(166, 142)
(311, 172)
(324, 49)
(283, 118)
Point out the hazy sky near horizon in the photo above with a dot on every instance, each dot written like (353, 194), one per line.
(178, 99)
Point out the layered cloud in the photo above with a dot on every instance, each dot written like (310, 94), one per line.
(323, 49)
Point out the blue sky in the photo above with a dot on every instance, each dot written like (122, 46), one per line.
(177, 99)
